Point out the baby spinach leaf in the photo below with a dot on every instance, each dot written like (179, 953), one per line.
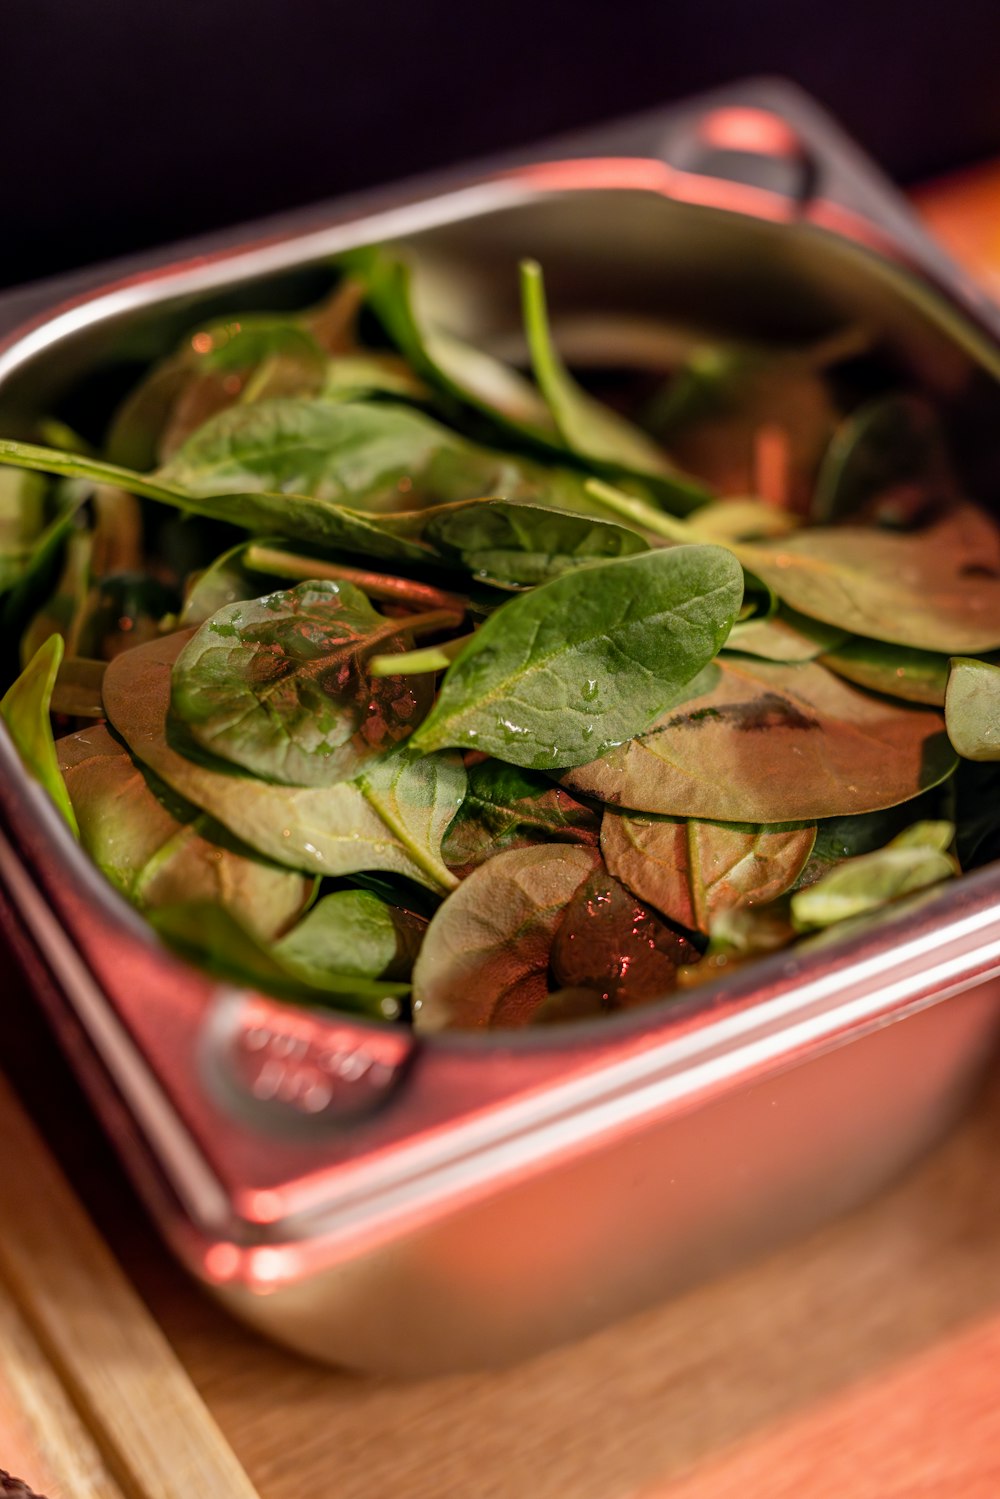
(416, 796)
(911, 861)
(610, 943)
(936, 589)
(278, 684)
(972, 709)
(897, 670)
(211, 937)
(358, 377)
(352, 932)
(77, 692)
(300, 517)
(22, 520)
(217, 365)
(328, 830)
(485, 958)
(786, 636)
(726, 521)
(758, 741)
(580, 664)
(587, 426)
(406, 307)
(25, 710)
(372, 456)
(889, 452)
(506, 807)
(692, 870)
(226, 581)
(159, 850)
(519, 546)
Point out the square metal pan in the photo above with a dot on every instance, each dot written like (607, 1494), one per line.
(421, 1204)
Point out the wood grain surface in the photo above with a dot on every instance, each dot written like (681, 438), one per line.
(862, 1363)
(706, 1397)
(96, 1377)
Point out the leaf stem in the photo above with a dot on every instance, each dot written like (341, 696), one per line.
(439, 872)
(638, 511)
(266, 559)
(78, 466)
(413, 663)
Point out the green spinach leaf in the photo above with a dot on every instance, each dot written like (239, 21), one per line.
(580, 664)
(897, 670)
(25, 710)
(278, 685)
(352, 932)
(213, 938)
(518, 546)
(327, 830)
(412, 316)
(588, 427)
(913, 860)
(972, 709)
(507, 807)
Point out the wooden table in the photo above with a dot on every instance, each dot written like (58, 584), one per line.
(863, 1363)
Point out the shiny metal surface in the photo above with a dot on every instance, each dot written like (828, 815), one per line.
(424, 1204)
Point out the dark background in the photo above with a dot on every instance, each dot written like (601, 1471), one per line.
(128, 123)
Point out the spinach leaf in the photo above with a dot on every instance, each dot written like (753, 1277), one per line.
(376, 457)
(610, 943)
(358, 377)
(159, 850)
(22, 521)
(692, 870)
(297, 516)
(77, 692)
(936, 589)
(408, 310)
(328, 830)
(588, 427)
(485, 958)
(217, 366)
(897, 670)
(913, 860)
(352, 932)
(580, 664)
(25, 710)
(762, 742)
(890, 453)
(506, 807)
(213, 938)
(518, 546)
(278, 685)
(785, 636)
(972, 709)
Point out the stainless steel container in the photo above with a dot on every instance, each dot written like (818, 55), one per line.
(422, 1204)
